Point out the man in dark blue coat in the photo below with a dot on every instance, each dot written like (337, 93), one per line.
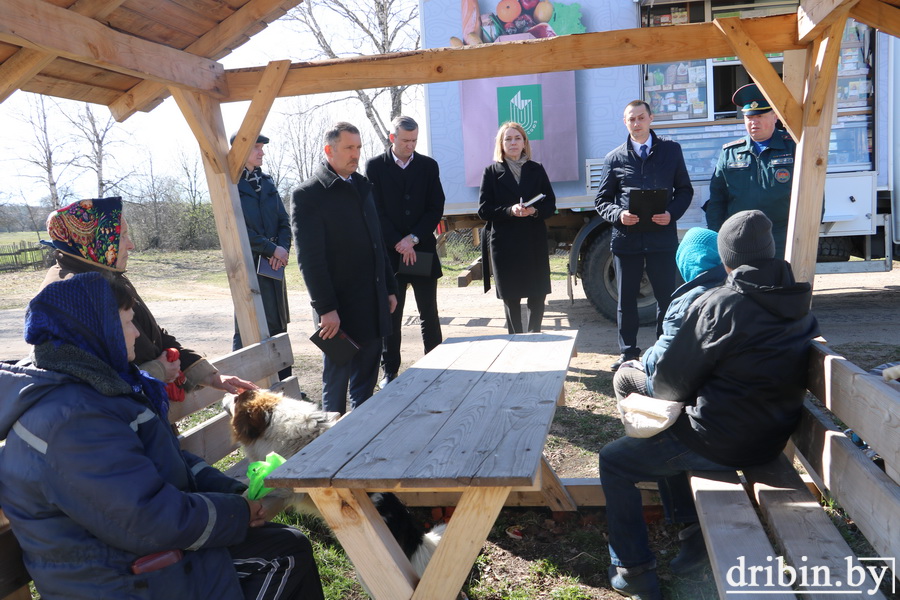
(410, 201)
(269, 231)
(345, 266)
(643, 162)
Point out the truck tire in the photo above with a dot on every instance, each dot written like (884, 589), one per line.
(833, 249)
(599, 279)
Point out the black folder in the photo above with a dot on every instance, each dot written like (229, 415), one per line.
(645, 204)
(421, 268)
(265, 269)
(340, 349)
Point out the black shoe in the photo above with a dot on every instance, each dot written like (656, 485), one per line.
(643, 586)
(622, 359)
(388, 377)
(693, 554)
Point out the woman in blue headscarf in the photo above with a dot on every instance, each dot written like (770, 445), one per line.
(101, 498)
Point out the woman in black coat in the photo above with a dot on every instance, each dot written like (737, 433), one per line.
(516, 234)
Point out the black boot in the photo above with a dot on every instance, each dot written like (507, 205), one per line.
(692, 555)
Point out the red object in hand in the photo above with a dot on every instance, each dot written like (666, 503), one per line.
(174, 390)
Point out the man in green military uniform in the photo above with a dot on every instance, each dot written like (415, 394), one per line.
(754, 172)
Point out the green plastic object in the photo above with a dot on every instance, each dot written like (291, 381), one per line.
(257, 473)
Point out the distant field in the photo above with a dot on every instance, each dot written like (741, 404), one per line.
(19, 236)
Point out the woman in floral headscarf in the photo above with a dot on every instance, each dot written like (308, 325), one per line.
(92, 236)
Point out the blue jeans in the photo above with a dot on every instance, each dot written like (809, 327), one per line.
(627, 461)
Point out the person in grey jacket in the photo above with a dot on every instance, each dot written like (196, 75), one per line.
(99, 495)
(739, 364)
(644, 162)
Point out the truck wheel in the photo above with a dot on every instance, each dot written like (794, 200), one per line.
(599, 280)
(833, 249)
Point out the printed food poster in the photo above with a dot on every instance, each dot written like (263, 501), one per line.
(543, 104)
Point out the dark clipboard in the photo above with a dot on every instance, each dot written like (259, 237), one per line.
(340, 349)
(265, 269)
(421, 268)
(645, 204)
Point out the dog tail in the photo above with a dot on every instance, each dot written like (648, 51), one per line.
(426, 549)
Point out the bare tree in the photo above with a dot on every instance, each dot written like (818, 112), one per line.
(99, 136)
(300, 145)
(192, 179)
(366, 27)
(49, 153)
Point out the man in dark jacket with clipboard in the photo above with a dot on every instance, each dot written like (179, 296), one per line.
(269, 232)
(344, 264)
(409, 197)
(645, 170)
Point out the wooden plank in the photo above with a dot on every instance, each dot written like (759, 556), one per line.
(475, 271)
(42, 26)
(204, 116)
(254, 362)
(879, 15)
(868, 495)
(269, 84)
(811, 159)
(563, 53)
(317, 463)
(225, 35)
(763, 73)
(462, 541)
(585, 491)
(804, 533)
(210, 440)
(21, 67)
(555, 493)
(734, 537)
(96, 9)
(367, 541)
(814, 17)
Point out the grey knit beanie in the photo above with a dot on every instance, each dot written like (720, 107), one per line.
(745, 237)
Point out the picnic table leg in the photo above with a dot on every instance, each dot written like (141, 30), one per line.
(466, 533)
(555, 493)
(367, 541)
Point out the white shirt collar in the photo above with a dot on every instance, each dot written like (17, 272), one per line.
(637, 146)
(400, 162)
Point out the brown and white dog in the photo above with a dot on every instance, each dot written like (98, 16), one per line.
(264, 422)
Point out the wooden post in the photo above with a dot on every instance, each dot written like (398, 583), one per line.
(811, 161)
(204, 115)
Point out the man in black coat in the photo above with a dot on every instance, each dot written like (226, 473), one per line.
(345, 266)
(269, 230)
(410, 202)
(643, 162)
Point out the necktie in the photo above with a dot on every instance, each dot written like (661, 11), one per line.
(643, 151)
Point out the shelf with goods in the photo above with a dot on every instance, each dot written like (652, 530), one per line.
(701, 145)
(677, 91)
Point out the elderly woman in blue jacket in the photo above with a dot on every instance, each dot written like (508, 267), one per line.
(101, 498)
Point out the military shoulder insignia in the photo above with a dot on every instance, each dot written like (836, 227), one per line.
(737, 142)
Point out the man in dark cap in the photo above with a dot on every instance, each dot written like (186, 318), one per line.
(738, 363)
(755, 171)
(269, 230)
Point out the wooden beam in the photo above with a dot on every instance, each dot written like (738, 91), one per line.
(211, 44)
(763, 73)
(20, 68)
(48, 28)
(269, 85)
(563, 53)
(26, 63)
(204, 116)
(880, 15)
(814, 17)
(811, 159)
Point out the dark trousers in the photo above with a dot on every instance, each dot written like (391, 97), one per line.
(663, 275)
(275, 562)
(360, 374)
(425, 291)
(237, 344)
(513, 309)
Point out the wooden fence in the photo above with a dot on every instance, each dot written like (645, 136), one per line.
(24, 255)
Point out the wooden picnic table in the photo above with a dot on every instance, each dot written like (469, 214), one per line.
(471, 416)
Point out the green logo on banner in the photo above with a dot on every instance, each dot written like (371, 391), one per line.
(522, 104)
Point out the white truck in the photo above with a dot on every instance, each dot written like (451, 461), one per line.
(576, 118)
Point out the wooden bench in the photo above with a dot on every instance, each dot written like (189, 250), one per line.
(754, 519)
(210, 439)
